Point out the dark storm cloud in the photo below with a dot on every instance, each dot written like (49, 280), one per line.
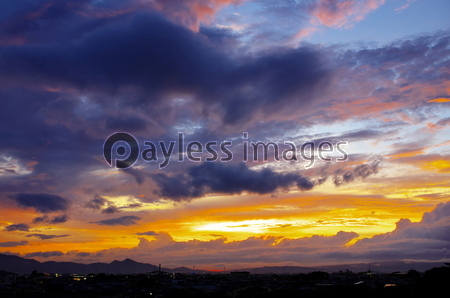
(56, 160)
(41, 21)
(18, 227)
(13, 243)
(221, 37)
(128, 220)
(46, 237)
(44, 203)
(170, 59)
(126, 124)
(226, 179)
(130, 53)
(23, 20)
(281, 80)
(128, 64)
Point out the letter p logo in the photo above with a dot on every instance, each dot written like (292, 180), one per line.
(121, 150)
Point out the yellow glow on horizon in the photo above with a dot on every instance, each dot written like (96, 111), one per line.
(350, 208)
(254, 226)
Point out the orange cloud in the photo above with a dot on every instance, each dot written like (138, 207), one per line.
(438, 165)
(363, 107)
(440, 99)
(427, 162)
(406, 153)
(407, 240)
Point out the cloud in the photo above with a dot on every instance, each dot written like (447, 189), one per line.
(225, 179)
(60, 219)
(55, 220)
(342, 173)
(13, 243)
(354, 136)
(149, 233)
(264, 87)
(340, 239)
(201, 73)
(99, 202)
(405, 6)
(342, 13)
(427, 162)
(401, 68)
(440, 124)
(46, 237)
(192, 13)
(443, 122)
(441, 211)
(83, 254)
(95, 66)
(440, 99)
(402, 7)
(44, 203)
(435, 225)
(128, 220)
(111, 210)
(18, 227)
(44, 254)
(29, 22)
(96, 203)
(344, 176)
(427, 240)
(131, 123)
(40, 219)
(138, 175)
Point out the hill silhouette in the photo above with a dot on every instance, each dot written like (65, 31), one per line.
(19, 265)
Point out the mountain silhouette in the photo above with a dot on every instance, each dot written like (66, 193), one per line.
(21, 265)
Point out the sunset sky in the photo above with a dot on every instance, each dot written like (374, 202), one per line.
(372, 73)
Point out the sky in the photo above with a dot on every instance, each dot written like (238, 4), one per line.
(351, 98)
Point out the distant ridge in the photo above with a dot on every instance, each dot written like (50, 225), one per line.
(376, 267)
(21, 265)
